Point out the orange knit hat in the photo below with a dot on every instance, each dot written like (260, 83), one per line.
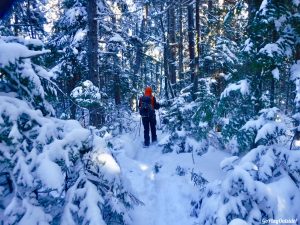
(148, 91)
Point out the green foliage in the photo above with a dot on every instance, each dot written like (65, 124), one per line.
(191, 121)
(53, 171)
(23, 77)
(204, 115)
(87, 95)
(25, 19)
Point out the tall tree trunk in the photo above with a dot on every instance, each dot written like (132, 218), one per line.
(197, 64)
(92, 55)
(287, 95)
(16, 27)
(146, 83)
(156, 77)
(210, 11)
(165, 53)
(198, 33)
(297, 105)
(172, 42)
(92, 42)
(117, 68)
(297, 54)
(166, 70)
(117, 88)
(71, 84)
(139, 57)
(272, 92)
(30, 25)
(272, 89)
(253, 7)
(191, 39)
(180, 46)
(137, 69)
(161, 79)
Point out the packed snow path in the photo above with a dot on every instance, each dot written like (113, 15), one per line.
(152, 177)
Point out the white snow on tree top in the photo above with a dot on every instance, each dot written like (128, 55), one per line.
(242, 86)
(296, 2)
(263, 7)
(10, 52)
(271, 49)
(116, 38)
(87, 94)
(276, 73)
(79, 36)
(228, 163)
(109, 164)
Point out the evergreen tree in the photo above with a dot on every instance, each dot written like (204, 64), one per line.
(257, 128)
(53, 171)
(26, 19)
(69, 44)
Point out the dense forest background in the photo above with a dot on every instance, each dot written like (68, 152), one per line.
(226, 72)
(199, 48)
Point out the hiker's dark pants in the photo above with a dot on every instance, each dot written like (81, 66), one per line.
(149, 123)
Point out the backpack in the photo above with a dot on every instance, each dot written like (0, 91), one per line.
(146, 108)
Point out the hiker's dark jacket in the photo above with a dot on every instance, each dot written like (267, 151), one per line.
(149, 120)
(149, 100)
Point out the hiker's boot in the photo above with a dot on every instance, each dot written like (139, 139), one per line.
(146, 144)
(154, 139)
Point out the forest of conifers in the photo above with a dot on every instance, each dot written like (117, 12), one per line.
(225, 72)
(174, 46)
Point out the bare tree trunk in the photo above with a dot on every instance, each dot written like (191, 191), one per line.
(166, 69)
(161, 78)
(198, 37)
(297, 54)
(165, 54)
(139, 58)
(156, 77)
(16, 27)
(272, 89)
(92, 42)
(92, 55)
(32, 33)
(117, 88)
(287, 95)
(272, 92)
(210, 11)
(137, 67)
(180, 46)
(297, 105)
(71, 84)
(172, 42)
(117, 71)
(191, 39)
(253, 7)
(197, 64)
(145, 73)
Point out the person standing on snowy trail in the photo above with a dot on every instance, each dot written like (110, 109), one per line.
(147, 106)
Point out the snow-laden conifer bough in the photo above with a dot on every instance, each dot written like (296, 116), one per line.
(52, 171)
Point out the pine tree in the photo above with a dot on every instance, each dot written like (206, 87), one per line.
(26, 19)
(53, 171)
(68, 43)
(261, 131)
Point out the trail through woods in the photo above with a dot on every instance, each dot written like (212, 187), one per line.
(155, 180)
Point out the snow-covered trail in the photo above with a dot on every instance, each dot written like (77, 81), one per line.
(152, 178)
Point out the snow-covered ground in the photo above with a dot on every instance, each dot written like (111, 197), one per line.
(154, 179)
